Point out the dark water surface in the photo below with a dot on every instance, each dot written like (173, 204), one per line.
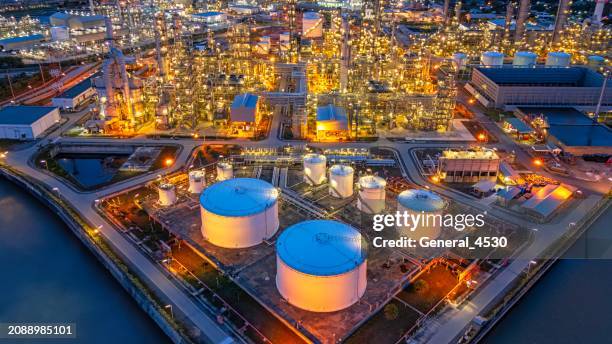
(570, 304)
(47, 275)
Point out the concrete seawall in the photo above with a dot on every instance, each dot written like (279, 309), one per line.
(120, 275)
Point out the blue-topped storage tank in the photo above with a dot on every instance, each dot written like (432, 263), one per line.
(239, 213)
(321, 265)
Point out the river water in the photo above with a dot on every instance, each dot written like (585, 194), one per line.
(49, 276)
(570, 304)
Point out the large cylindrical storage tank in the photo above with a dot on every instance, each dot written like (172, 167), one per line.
(372, 194)
(225, 171)
(558, 59)
(167, 194)
(492, 59)
(239, 212)
(426, 204)
(341, 181)
(312, 25)
(196, 181)
(314, 168)
(524, 59)
(321, 265)
(460, 60)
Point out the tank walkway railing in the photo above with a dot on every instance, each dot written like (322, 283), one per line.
(363, 203)
(293, 198)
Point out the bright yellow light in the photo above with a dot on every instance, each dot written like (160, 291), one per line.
(537, 162)
(169, 162)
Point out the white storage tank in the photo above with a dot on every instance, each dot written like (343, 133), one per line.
(371, 194)
(225, 171)
(314, 168)
(492, 59)
(197, 181)
(341, 181)
(558, 59)
(239, 212)
(321, 265)
(424, 203)
(595, 61)
(167, 194)
(460, 61)
(312, 25)
(525, 59)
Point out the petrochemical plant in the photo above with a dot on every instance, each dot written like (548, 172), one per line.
(321, 171)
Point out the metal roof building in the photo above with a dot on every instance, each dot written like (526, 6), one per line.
(74, 96)
(331, 121)
(26, 122)
(244, 108)
(15, 43)
(572, 130)
(547, 200)
(509, 88)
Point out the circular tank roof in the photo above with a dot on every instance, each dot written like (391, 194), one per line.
(493, 54)
(166, 186)
(238, 197)
(311, 15)
(420, 200)
(321, 247)
(314, 158)
(525, 53)
(372, 182)
(341, 170)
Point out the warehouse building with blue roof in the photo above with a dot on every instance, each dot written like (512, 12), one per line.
(27, 122)
(507, 88)
(75, 96)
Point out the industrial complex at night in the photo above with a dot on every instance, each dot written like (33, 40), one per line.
(346, 171)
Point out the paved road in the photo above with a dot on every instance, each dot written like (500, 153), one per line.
(446, 328)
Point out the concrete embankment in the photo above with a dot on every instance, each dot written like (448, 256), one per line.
(144, 297)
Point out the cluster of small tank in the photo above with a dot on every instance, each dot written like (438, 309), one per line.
(321, 264)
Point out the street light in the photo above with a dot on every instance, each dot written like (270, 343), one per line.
(169, 307)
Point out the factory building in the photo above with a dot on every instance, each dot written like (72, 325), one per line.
(243, 9)
(468, 166)
(27, 122)
(321, 265)
(80, 28)
(239, 212)
(245, 110)
(332, 123)
(352, 5)
(210, 17)
(568, 129)
(548, 200)
(75, 96)
(508, 88)
(23, 42)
